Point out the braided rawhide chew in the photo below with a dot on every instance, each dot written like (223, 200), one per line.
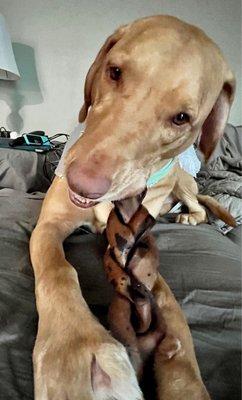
(144, 314)
(131, 263)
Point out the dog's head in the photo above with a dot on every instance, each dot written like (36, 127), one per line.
(155, 86)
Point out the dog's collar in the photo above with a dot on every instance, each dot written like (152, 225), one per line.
(161, 173)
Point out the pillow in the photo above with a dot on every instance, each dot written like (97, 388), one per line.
(24, 170)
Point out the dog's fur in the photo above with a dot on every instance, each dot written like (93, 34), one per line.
(168, 67)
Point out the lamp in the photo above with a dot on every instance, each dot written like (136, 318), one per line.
(8, 67)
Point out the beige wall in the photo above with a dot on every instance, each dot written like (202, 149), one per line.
(56, 40)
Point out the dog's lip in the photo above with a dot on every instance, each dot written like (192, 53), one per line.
(84, 202)
(81, 201)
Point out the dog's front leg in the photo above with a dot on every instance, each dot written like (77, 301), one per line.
(74, 356)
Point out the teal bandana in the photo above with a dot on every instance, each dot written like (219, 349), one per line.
(161, 173)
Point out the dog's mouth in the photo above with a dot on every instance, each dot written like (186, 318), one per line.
(80, 201)
(84, 202)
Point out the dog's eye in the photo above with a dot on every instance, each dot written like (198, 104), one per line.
(115, 73)
(181, 119)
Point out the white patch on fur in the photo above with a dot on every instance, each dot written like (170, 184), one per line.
(114, 360)
(173, 352)
(39, 381)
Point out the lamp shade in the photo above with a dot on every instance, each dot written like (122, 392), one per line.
(8, 67)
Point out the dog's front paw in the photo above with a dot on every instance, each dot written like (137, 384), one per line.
(192, 218)
(74, 367)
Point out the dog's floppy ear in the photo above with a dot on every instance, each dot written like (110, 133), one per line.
(110, 42)
(214, 125)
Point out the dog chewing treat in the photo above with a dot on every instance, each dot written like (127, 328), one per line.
(156, 86)
(144, 315)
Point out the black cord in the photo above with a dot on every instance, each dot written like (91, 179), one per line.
(58, 135)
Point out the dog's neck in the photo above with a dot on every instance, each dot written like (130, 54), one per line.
(160, 173)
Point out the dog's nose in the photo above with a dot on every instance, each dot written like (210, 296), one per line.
(87, 182)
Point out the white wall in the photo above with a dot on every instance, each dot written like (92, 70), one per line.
(58, 39)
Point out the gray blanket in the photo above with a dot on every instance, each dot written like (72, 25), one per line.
(222, 178)
(202, 267)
